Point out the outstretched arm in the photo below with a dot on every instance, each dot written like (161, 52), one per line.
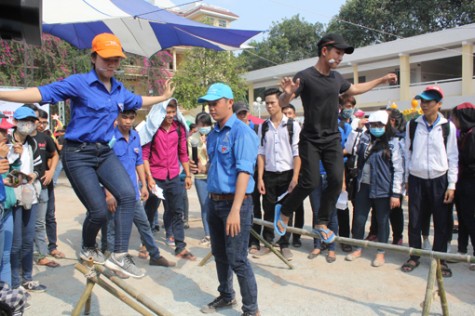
(360, 88)
(30, 95)
(167, 94)
(289, 87)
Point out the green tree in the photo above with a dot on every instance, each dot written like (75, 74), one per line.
(202, 67)
(365, 22)
(288, 40)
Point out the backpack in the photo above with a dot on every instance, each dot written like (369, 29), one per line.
(290, 130)
(412, 132)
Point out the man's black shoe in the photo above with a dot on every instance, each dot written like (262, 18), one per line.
(218, 303)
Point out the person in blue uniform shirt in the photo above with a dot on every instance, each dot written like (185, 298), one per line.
(232, 150)
(96, 100)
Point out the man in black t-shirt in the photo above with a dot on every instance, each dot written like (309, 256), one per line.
(319, 88)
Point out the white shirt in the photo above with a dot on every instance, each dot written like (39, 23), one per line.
(429, 159)
(276, 150)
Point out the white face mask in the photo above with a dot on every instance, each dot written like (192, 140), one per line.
(25, 127)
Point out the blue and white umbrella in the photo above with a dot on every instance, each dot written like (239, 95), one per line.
(142, 28)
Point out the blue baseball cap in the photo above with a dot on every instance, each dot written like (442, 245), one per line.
(23, 113)
(431, 93)
(217, 91)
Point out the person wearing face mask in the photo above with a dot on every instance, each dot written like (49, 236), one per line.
(25, 212)
(198, 140)
(379, 181)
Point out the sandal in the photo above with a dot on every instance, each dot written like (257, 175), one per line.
(57, 254)
(253, 250)
(185, 254)
(313, 255)
(320, 231)
(278, 221)
(446, 271)
(331, 258)
(143, 253)
(410, 265)
(48, 263)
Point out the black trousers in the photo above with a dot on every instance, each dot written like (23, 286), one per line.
(276, 183)
(426, 196)
(465, 212)
(311, 154)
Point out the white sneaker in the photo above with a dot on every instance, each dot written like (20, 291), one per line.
(124, 264)
(426, 244)
(205, 242)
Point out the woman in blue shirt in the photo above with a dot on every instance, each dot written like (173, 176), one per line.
(96, 100)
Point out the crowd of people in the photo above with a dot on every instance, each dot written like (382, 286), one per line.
(121, 175)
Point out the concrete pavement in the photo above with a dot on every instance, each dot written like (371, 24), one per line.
(314, 286)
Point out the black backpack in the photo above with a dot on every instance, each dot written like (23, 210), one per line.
(412, 132)
(290, 130)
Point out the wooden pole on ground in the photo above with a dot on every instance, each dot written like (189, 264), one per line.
(379, 245)
(442, 294)
(268, 245)
(133, 292)
(109, 288)
(429, 288)
(205, 259)
(85, 299)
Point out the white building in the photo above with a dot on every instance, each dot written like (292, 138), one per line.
(445, 58)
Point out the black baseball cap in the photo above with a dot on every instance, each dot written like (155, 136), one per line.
(335, 40)
(239, 107)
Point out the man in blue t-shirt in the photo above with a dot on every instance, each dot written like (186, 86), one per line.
(232, 151)
(127, 148)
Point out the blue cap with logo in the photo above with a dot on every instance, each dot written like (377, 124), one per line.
(217, 91)
(24, 112)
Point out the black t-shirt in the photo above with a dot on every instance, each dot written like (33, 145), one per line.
(46, 146)
(319, 96)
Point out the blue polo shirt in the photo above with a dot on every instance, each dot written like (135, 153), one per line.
(129, 154)
(93, 108)
(231, 150)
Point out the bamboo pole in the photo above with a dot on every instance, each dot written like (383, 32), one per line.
(133, 292)
(85, 299)
(371, 244)
(268, 245)
(429, 288)
(442, 294)
(106, 286)
(205, 259)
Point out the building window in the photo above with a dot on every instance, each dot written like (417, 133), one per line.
(222, 23)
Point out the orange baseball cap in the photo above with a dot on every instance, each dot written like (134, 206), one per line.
(107, 45)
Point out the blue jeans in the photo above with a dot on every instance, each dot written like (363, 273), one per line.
(6, 228)
(363, 204)
(87, 165)
(57, 172)
(315, 202)
(143, 226)
(174, 210)
(40, 226)
(230, 253)
(201, 186)
(22, 247)
(51, 230)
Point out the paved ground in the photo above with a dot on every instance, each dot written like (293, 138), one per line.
(314, 286)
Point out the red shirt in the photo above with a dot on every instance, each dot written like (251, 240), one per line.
(164, 151)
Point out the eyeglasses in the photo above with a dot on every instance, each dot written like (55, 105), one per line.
(44, 123)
